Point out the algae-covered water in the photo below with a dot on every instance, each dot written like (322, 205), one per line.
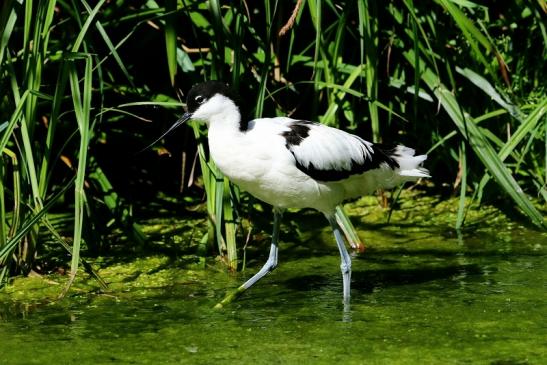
(421, 294)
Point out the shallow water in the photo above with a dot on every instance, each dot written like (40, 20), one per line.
(419, 296)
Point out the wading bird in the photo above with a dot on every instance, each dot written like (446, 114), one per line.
(291, 163)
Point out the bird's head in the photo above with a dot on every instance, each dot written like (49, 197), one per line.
(209, 100)
(206, 102)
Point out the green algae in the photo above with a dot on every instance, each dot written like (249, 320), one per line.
(422, 293)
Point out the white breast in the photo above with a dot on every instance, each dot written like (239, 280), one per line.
(259, 162)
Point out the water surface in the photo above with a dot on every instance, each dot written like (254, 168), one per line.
(420, 295)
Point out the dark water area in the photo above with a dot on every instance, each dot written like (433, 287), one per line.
(419, 296)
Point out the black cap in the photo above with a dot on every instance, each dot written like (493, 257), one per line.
(200, 93)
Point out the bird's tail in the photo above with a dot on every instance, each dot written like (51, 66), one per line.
(409, 165)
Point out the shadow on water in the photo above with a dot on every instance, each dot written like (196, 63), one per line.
(366, 281)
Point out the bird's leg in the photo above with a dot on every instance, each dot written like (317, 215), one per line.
(268, 267)
(271, 264)
(345, 264)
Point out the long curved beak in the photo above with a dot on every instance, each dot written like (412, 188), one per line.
(185, 117)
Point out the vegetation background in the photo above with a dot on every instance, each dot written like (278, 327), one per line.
(85, 85)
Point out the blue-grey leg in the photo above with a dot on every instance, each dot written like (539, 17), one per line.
(267, 268)
(345, 264)
(271, 264)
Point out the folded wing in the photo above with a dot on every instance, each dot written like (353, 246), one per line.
(329, 154)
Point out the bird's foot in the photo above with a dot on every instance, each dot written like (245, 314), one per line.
(230, 297)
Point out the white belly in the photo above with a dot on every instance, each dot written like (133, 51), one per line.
(292, 191)
(268, 172)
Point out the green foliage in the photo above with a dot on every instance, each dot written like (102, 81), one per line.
(79, 81)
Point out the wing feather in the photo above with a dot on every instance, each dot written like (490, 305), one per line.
(330, 154)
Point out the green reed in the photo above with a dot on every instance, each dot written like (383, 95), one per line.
(454, 79)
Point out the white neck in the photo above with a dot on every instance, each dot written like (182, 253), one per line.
(227, 121)
(225, 141)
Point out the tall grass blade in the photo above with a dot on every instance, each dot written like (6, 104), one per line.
(463, 186)
(8, 18)
(329, 116)
(171, 39)
(370, 38)
(217, 69)
(230, 226)
(12, 243)
(473, 35)
(529, 123)
(87, 266)
(115, 204)
(17, 195)
(3, 223)
(60, 86)
(15, 117)
(85, 26)
(111, 47)
(478, 142)
(349, 229)
(82, 107)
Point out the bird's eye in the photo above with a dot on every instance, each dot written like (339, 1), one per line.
(199, 99)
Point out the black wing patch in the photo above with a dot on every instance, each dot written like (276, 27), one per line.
(380, 154)
(300, 130)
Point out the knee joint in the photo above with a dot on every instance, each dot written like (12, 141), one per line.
(345, 267)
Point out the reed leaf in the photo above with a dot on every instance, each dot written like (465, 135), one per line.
(85, 26)
(12, 243)
(171, 39)
(8, 18)
(478, 142)
(15, 117)
(473, 35)
(368, 29)
(463, 186)
(82, 106)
